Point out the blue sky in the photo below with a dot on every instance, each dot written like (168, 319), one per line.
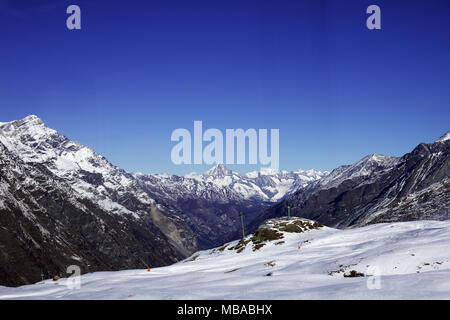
(137, 70)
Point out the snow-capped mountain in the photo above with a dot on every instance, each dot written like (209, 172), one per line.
(50, 185)
(293, 259)
(51, 219)
(62, 203)
(378, 189)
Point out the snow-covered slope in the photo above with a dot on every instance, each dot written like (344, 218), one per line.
(368, 168)
(403, 260)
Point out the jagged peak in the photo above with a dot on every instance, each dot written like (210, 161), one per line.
(218, 170)
(375, 157)
(367, 166)
(32, 117)
(29, 121)
(30, 125)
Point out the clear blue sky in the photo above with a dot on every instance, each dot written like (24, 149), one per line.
(140, 69)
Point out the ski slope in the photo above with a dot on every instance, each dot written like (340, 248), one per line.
(403, 260)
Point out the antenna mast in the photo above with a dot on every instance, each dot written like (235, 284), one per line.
(289, 210)
(241, 214)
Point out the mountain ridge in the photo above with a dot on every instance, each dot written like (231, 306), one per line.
(377, 189)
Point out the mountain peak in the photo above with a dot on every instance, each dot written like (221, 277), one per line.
(28, 121)
(376, 158)
(31, 124)
(32, 117)
(445, 137)
(218, 170)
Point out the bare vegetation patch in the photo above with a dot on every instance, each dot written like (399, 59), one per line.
(353, 274)
(232, 270)
(270, 264)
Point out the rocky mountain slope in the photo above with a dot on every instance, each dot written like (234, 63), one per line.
(62, 204)
(378, 189)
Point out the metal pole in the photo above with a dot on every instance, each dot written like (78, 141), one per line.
(289, 212)
(242, 223)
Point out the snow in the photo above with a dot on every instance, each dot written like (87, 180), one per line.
(269, 171)
(64, 164)
(407, 260)
(267, 184)
(192, 175)
(281, 191)
(368, 167)
(445, 137)
(75, 257)
(222, 184)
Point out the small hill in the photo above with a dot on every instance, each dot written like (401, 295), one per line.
(272, 232)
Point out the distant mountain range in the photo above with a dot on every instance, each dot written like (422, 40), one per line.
(61, 203)
(211, 202)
